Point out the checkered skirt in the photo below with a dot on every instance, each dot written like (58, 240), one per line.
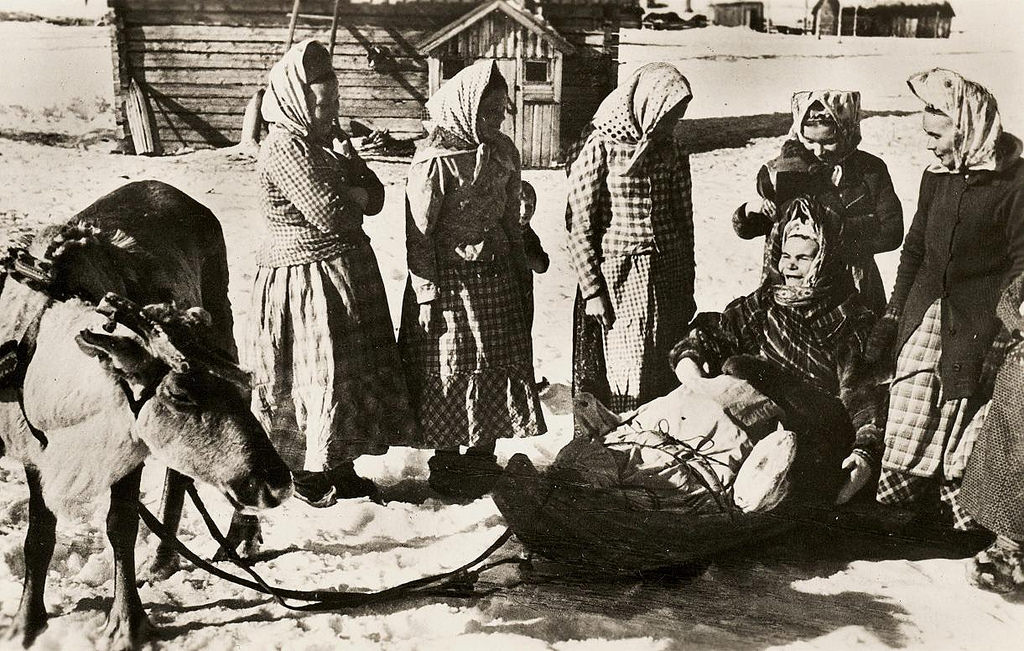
(473, 383)
(993, 486)
(652, 297)
(328, 383)
(926, 437)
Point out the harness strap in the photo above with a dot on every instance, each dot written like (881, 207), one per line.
(26, 350)
(455, 582)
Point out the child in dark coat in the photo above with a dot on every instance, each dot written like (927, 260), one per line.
(821, 159)
(537, 260)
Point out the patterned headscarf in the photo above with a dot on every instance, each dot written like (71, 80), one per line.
(827, 277)
(975, 116)
(453, 113)
(455, 105)
(631, 112)
(843, 106)
(286, 102)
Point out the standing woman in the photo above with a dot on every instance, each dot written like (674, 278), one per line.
(965, 245)
(465, 337)
(327, 375)
(630, 223)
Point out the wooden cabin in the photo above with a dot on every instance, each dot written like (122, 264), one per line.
(198, 62)
(529, 52)
(738, 14)
(903, 18)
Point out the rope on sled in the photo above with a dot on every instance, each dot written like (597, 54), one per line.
(457, 582)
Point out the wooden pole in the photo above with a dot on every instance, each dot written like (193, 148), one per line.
(291, 25)
(334, 27)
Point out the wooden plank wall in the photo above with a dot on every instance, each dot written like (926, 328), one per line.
(201, 60)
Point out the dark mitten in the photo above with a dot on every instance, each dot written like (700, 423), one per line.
(882, 340)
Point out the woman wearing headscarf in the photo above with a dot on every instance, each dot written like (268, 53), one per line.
(964, 246)
(465, 337)
(327, 375)
(821, 158)
(806, 320)
(630, 237)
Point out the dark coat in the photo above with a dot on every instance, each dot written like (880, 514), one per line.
(964, 246)
(864, 202)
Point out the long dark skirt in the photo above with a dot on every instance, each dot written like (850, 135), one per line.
(473, 383)
(652, 296)
(327, 377)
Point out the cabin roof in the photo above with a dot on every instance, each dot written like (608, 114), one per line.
(941, 5)
(530, 21)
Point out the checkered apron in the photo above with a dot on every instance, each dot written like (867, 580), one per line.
(328, 383)
(474, 383)
(927, 439)
(994, 479)
(628, 365)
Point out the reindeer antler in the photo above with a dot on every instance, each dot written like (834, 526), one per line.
(172, 335)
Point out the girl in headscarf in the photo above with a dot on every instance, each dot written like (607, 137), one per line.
(327, 378)
(465, 337)
(820, 158)
(630, 236)
(964, 246)
(807, 320)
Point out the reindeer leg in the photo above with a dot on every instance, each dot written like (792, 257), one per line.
(126, 622)
(167, 562)
(31, 618)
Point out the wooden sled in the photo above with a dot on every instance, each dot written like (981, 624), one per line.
(609, 530)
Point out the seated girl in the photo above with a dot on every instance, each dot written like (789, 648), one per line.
(789, 354)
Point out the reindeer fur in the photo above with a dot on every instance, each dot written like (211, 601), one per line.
(87, 421)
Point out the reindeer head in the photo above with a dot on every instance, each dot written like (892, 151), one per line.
(192, 400)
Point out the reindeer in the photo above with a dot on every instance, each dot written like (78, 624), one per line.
(103, 390)
(177, 254)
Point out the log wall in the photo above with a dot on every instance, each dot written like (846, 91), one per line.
(200, 61)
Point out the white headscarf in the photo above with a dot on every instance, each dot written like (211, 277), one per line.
(975, 115)
(631, 112)
(454, 109)
(285, 102)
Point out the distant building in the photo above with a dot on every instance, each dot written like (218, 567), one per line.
(905, 18)
(199, 63)
(738, 14)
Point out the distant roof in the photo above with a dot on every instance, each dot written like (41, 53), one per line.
(530, 21)
(893, 4)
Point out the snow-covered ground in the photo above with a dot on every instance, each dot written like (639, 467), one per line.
(824, 589)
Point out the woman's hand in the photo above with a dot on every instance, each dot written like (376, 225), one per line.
(859, 472)
(600, 307)
(687, 370)
(761, 205)
(428, 319)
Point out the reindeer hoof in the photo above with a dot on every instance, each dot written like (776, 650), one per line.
(124, 633)
(164, 566)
